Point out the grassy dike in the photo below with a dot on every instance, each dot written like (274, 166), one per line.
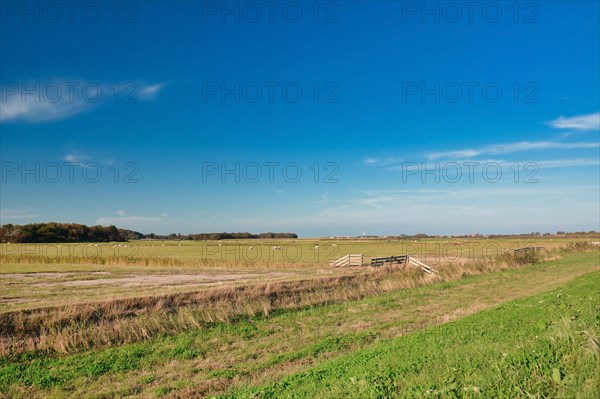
(543, 346)
(240, 356)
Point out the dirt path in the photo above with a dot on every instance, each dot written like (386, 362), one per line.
(165, 279)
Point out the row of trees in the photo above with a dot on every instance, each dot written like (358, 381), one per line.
(71, 232)
(219, 236)
(64, 232)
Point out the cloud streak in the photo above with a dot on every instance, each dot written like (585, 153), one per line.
(150, 92)
(16, 214)
(76, 158)
(578, 122)
(122, 219)
(41, 102)
(497, 149)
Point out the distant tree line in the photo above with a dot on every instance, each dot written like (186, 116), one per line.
(64, 232)
(71, 232)
(576, 234)
(219, 236)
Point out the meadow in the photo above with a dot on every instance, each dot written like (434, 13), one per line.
(202, 319)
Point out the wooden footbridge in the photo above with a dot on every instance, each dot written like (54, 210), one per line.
(358, 260)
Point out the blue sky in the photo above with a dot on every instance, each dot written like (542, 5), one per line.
(161, 97)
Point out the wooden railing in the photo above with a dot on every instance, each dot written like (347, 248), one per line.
(399, 260)
(423, 266)
(349, 260)
(392, 260)
(524, 250)
(358, 260)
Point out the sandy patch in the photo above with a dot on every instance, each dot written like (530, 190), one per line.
(12, 300)
(46, 274)
(164, 279)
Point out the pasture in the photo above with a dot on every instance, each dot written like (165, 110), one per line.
(267, 253)
(195, 319)
(41, 275)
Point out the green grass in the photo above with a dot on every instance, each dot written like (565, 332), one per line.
(262, 349)
(541, 346)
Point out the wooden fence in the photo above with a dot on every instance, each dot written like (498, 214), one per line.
(349, 260)
(358, 260)
(423, 266)
(401, 259)
(525, 250)
(392, 260)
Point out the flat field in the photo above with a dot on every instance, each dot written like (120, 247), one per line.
(40, 275)
(182, 320)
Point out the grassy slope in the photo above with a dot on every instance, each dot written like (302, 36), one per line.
(541, 346)
(252, 352)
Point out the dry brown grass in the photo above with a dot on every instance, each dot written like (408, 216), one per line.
(582, 246)
(151, 261)
(92, 325)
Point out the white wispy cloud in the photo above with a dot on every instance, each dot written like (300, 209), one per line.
(151, 91)
(372, 161)
(16, 214)
(504, 164)
(448, 210)
(323, 200)
(387, 206)
(76, 157)
(565, 163)
(40, 107)
(497, 149)
(578, 122)
(47, 101)
(122, 219)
